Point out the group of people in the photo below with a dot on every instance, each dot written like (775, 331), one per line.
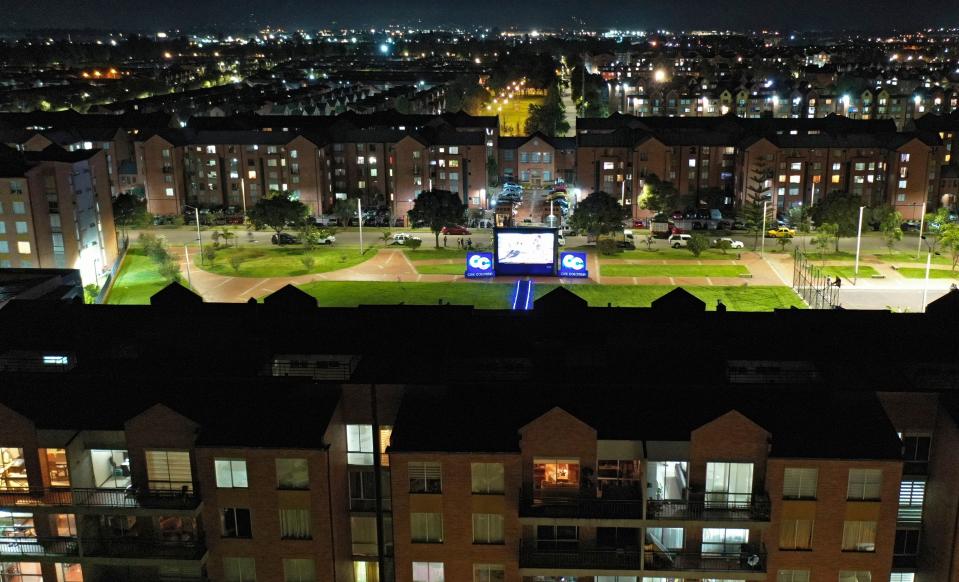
(462, 243)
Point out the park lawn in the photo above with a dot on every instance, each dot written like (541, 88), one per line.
(673, 270)
(671, 254)
(899, 257)
(423, 254)
(138, 280)
(284, 261)
(920, 273)
(848, 272)
(497, 295)
(514, 114)
(455, 269)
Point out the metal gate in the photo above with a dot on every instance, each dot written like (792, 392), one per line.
(812, 284)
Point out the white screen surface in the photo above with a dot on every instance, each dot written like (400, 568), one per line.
(517, 248)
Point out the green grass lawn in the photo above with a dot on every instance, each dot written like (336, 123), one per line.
(284, 261)
(424, 254)
(920, 273)
(497, 295)
(899, 257)
(847, 272)
(673, 270)
(456, 269)
(138, 280)
(670, 254)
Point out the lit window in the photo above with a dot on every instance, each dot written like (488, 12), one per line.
(454, 150)
(608, 165)
(793, 576)
(360, 160)
(299, 570)
(426, 528)
(834, 179)
(231, 473)
(251, 174)
(19, 207)
(859, 536)
(795, 166)
(487, 528)
(795, 534)
(359, 444)
(295, 524)
(425, 477)
(239, 570)
(795, 179)
(23, 247)
(292, 474)
(800, 483)
(428, 572)
(489, 573)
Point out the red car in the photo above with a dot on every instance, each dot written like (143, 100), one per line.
(639, 223)
(455, 230)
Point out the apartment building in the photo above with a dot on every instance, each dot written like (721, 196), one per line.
(56, 211)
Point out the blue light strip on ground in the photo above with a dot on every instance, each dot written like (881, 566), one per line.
(529, 295)
(516, 294)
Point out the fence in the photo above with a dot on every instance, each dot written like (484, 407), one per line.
(812, 284)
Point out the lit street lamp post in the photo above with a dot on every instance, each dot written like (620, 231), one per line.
(858, 244)
(762, 234)
(199, 240)
(922, 222)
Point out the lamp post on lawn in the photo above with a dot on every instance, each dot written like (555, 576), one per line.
(359, 214)
(762, 248)
(199, 240)
(855, 271)
(922, 222)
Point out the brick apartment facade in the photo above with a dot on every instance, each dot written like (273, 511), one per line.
(295, 462)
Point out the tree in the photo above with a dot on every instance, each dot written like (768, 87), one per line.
(723, 245)
(236, 261)
(549, 117)
(783, 242)
(169, 270)
(949, 237)
(800, 219)
(492, 172)
(657, 195)
(840, 209)
(387, 237)
(277, 211)
(935, 222)
(130, 211)
(697, 244)
(437, 208)
(757, 195)
(891, 227)
(209, 253)
(344, 209)
(308, 262)
(825, 234)
(598, 214)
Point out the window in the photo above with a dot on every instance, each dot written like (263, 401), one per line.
(425, 477)
(363, 535)
(168, 191)
(4, 245)
(236, 522)
(903, 184)
(902, 577)
(793, 576)
(69, 572)
(230, 473)
(239, 569)
(915, 448)
(855, 576)
(557, 537)
(428, 572)
(508, 155)
(487, 528)
(169, 470)
(360, 160)
(904, 158)
(20, 572)
(834, 178)
(426, 528)
(63, 525)
(555, 473)
(455, 150)
(292, 474)
(911, 494)
(362, 491)
(21, 227)
(3, 225)
(19, 207)
(729, 484)
(864, 484)
(795, 534)
(487, 478)
(724, 541)
(524, 157)
(609, 165)
(859, 536)
(16, 525)
(299, 570)
(13, 471)
(359, 444)
(23, 247)
(800, 483)
(795, 166)
(365, 571)
(795, 179)
(489, 573)
(295, 524)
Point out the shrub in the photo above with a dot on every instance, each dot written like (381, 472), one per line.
(308, 262)
(413, 243)
(697, 244)
(608, 247)
(235, 262)
(209, 253)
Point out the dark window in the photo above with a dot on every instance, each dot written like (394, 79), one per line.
(915, 448)
(236, 523)
(907, 542)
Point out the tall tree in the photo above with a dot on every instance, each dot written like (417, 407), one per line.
(658, 196)
(841, 209)
(130, 211)
(437, 208)
(343, 209)
(277, 211)
(600, 213)
(758, 192)
(933, 230)
(891, 227)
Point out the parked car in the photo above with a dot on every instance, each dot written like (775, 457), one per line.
(284, 239)
(455, 230)
(781, 232)
(326, 240)
(560, 239)
(733, 244)
(400, 238)
(678, 240)
(568, 230)
(639, 223)
(910, 226)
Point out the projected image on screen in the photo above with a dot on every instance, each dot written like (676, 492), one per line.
(514, 248)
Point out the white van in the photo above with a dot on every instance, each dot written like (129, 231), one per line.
(678, 240)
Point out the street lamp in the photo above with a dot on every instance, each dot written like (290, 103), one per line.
(762, 248)
(922, 222)
(199, 240)
(855, 271)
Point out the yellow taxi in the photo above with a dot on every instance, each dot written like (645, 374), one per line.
(781, 232)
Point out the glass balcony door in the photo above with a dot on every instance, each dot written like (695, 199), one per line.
(729, 484)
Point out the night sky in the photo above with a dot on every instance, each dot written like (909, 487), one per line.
(643, 14)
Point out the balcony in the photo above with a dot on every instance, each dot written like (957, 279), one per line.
(719, 507)
(750, 559)
(18, 548)
(120, 498)
(578, 558)
(143, 548)
(609, 502)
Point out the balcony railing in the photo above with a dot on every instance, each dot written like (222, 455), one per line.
(578, 557)
(723, 507)
(746, 560)
(143, 548)
(127, 498)
(37, 547)
(612, 502)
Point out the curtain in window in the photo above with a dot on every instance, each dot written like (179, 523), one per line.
(169, 470)
(295, 523)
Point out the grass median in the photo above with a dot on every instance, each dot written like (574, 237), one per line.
(673, 270)
(497, 295)
(849, 272)
(138, 280)
(286, 261)
(920, 273)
